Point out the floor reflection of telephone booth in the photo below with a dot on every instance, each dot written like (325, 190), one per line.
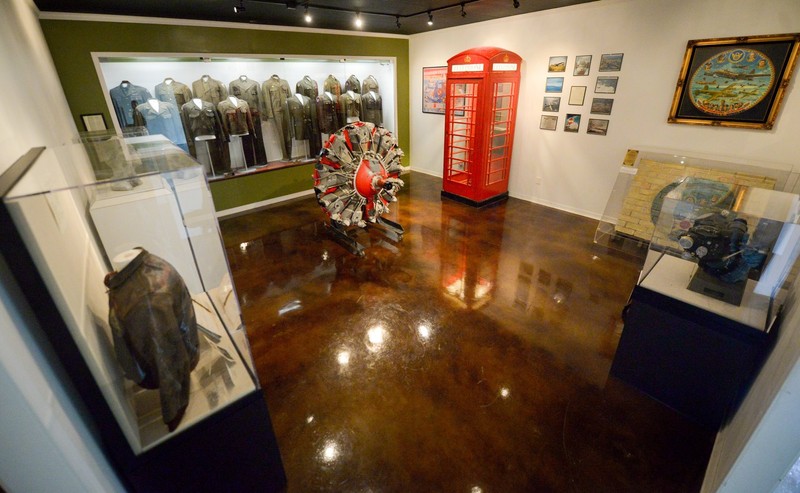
(468, 267)
(480, 115)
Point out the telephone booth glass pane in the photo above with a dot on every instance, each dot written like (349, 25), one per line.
(462, 106)
(500, 132)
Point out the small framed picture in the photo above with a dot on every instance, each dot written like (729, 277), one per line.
(576, 95)
(601, 106)
(551, 103)
(606, 85)
(572, 123)
(548, 122)
(557, 64)
(597, 126)
(611, 62)
(94, 122)
(554, 84)
(582, 65)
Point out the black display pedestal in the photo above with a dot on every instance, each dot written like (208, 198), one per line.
(233, 450)
(694, 361)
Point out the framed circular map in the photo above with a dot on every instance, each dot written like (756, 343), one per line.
(734, 82)
(731, 82)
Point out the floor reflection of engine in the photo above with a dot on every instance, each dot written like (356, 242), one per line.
(355, 179)
(468, 273)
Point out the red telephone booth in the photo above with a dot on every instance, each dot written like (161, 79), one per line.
(480, 115)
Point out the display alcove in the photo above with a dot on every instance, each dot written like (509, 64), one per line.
(65, 232)
(264, 144)
(718, 268)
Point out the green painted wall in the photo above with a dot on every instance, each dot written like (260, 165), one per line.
(72, 42)
(261, 186)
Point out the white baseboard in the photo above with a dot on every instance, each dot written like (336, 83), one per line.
(263, 203)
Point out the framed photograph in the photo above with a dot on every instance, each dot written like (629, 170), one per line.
(554, 84)
(597, 126)
(576, 95)
(551, 103)
(606, 84)
(582, 65)
(572, 123)
(557, 64)
(610, 62)
(433, 89)
(548, 122)
(601, 106)
(734, 82)
(94, 122)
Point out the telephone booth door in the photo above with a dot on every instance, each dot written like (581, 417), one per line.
(480, 114)
(462, 133)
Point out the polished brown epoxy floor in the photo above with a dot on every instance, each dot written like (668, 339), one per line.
(473, 356)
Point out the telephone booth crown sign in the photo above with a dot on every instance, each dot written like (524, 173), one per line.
(480, 117)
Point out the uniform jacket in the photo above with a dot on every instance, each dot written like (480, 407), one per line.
(333, 86)
(369, 84)
(350, 107)
(125, 98)
(372, 108)
(328, 113)
(248, 90)
(352, 84)
(307, 87)
(202, 122)
(210, 90)
(236, 118)
(166, 121)
(300, 118)
(154, 330)
(174, 92)
(275, 91)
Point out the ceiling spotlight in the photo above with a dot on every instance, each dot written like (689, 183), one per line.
(307, 16)
(358, 20)
(397, 18)
(430, 18)
(463, 12)
(516, 4)
(239, 8)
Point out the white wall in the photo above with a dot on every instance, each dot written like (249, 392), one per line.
(577, 171)
(46, 446)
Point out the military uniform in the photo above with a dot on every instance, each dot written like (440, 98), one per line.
(300, 119)
(209, 90)
(332, 85)
(274, 92)
(250, 92)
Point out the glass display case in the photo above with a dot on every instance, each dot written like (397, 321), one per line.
(647, 174)
(116, 243)
(728, 249)
(718, 266)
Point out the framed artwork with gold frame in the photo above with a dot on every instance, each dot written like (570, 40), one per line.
(734, 82)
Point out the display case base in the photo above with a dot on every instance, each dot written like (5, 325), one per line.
(474, 203)
(233, 450)
(692, 360)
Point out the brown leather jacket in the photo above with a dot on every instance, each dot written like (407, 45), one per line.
(155, 331)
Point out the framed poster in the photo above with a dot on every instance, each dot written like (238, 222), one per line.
(611, 62)
(548, 122)
(582, 65)
(601, 106)
(606, 84)
(551, 103)
(576, 95)
(734, 82)
(433, 89)
(597, 126)
(572, 123)
(94, 122)
(554, 84)
(557, 64)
